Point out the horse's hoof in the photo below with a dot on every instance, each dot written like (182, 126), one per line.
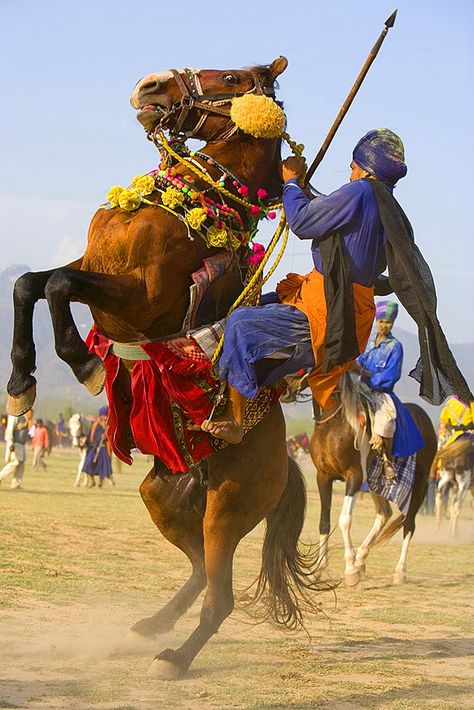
(96, 380)
(352, 580)
(399, 578)
(165, 670)
(16, 406)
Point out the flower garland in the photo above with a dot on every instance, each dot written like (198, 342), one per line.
(216, 222)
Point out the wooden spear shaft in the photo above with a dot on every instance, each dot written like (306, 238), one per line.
(350, 97)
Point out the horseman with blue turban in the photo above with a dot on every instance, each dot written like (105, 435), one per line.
(322, 321)
(380, 366)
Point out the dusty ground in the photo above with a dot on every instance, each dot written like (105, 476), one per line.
(79, 567)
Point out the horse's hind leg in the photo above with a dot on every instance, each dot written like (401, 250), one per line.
(444, 481)
(463, 479)
(110, 294)
(383, 513)
(181, 525)
(21, 387)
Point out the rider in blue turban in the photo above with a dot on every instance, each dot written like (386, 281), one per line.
(381, 153)
(386, 310)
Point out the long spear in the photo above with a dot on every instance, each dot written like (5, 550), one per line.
(350, 97)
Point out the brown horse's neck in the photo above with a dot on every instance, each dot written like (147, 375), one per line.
(254, 161)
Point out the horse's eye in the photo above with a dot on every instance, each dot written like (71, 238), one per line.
(231, 79)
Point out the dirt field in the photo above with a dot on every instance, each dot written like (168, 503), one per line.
(79, 567)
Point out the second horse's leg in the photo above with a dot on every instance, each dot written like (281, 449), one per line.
(353, 484)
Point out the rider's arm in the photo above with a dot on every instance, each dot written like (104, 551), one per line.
(385, 378)
(315, 219)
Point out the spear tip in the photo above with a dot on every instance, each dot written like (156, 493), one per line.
(391, 20)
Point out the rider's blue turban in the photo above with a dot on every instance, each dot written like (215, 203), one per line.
(382, 154)
(103, 411)
(386, 310)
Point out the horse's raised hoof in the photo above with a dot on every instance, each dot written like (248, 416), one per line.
(353, 579)
(399, 578)
(16, 406)
(96, 380)
(166, 666)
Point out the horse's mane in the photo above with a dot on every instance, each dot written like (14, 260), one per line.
(356, 397)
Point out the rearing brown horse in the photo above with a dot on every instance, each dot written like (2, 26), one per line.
(135, 277)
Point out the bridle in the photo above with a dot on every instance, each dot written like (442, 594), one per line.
(192, 97)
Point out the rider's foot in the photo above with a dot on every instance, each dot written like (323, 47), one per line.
(390, 472)
(224, 428)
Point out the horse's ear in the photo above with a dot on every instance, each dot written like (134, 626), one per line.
(278, 66)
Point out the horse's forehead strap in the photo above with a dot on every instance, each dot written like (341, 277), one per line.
(195, 87)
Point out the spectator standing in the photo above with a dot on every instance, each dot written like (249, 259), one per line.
(98, 457)
(16, 435)
(40, 443)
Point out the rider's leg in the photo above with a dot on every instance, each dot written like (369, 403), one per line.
(384, 430)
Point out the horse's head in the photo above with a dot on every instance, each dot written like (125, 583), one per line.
(196, 103)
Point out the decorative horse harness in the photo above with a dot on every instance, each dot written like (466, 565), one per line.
(194, 98)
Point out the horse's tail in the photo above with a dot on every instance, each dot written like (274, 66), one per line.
(287, 575)
(450, 453)
(389, 530)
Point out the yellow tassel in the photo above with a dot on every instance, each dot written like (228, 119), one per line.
(259, 116)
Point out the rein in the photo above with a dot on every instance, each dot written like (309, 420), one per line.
(330, 416)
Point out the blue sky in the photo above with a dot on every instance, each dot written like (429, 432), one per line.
(68, 131)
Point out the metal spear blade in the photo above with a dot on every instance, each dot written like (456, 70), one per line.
(391, 20)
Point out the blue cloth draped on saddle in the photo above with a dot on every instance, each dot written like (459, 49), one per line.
(384, 362)
(256, 332)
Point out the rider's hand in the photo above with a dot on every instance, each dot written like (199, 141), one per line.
(293, 167)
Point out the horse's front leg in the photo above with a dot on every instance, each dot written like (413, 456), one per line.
(112, 294)
(383, 513)
(353, 484)
(325, 493)
(21, 387)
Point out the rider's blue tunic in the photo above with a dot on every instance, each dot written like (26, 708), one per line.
(384, 362)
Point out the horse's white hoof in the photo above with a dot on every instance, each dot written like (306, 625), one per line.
(16, 406)
(353, 579)
(399, 577)
(96, 381)
(164, 670)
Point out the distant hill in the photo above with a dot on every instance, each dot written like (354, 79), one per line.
(57, 386)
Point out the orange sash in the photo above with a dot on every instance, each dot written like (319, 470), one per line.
(307, 294)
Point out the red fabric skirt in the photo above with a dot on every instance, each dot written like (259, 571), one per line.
(169, 392)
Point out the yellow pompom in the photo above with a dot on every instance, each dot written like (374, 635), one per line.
(258, 115)
(129, 200)
(144, 184)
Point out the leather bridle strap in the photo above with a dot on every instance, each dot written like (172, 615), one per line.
(193, 97)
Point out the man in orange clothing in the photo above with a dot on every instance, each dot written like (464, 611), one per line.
(291, 333)
(40, 442)
(323, 320)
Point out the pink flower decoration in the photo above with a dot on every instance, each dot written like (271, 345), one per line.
(255, 209)
(261, 193)
(271, 215)
(258, 252)
(244, 191)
